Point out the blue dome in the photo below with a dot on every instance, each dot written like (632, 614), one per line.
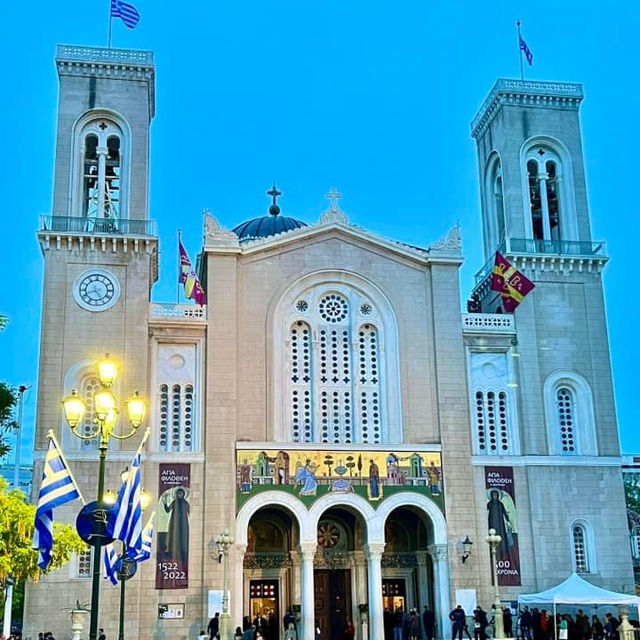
(265, 226)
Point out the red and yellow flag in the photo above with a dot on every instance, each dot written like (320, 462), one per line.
(512, 285)
(187, 276)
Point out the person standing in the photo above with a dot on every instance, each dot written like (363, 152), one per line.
(507, 622)
(429, 622)
(525, 624)
(480, 623)
(398, 623)
(459, 619)
(101, 635)
(414, 625)
(214, 626)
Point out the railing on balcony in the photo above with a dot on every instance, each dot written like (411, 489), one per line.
(185, 312)
(100, 54)
(488, 323)
(98, 226)
(535, 247)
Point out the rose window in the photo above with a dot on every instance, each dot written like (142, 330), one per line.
(329, 534)
(333, 308)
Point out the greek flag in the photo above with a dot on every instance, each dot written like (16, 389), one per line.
(147, 536)
(126, 12)
(527, 52)
(125, 521)
(111, 564)
(57, 488)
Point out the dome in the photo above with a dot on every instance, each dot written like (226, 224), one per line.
(268, 225)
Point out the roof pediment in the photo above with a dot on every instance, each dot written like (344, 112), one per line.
(333, 223)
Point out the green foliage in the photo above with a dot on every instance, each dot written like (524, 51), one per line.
(8, 401)
(17, 558)
(632, 491)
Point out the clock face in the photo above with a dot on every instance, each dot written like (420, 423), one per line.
(96, 290)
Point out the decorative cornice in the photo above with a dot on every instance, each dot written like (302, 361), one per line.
(50, 240)
(215, 235)
(528, 93)
(450, 244)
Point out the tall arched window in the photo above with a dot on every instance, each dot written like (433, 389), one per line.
(334, 369)
(570, 417)
(89, 384)
(100, 171)
(582, 547)
(495, 223)
(548, 194)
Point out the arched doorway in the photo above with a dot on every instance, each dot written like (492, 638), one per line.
(339, 571)
(407, 570)
(271, 585)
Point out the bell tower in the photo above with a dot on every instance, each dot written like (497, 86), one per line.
(98, 242)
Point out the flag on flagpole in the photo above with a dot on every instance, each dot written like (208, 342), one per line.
(525, 49)
(125, 520)
(126, 12)
(187, 276)
(511, 283)
(57, 488)
(111, 564)
(147, 537)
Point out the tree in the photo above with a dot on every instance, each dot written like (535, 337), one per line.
(17, 559)
(8, 401)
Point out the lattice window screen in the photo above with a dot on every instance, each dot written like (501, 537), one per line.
(491, 422)
(90, 384)
(176, 404)
(83, 569)
(300, 359)
(580, 549)
(565, 407)
(368, 384)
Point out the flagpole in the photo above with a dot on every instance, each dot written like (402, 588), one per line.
(520, 50)
(179, 268)
(52, 435)
(110, 23)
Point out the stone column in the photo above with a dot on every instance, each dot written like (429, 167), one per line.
(544, 202)
(373, 551)
(236, 561)
(308, 609)
(102, 179)
(423, 583)
(440, 559)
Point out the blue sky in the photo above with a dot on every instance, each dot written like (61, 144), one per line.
(372, 97)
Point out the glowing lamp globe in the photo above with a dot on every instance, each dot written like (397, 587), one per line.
(107, 371)
(74, 408)
(136, 408)
(104, 403)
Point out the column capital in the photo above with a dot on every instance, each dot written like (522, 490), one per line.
(438, 552)
(374, 550)
(308, 550)
(239, 548)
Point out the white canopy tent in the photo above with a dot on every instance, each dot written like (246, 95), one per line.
(576, 590)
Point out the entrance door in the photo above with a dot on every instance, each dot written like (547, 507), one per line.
(333, 602)
(394, 594)
(263, 602)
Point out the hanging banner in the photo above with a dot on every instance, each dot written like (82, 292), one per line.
(172, 526)
(502, 516)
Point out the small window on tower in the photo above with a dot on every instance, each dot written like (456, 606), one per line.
(552, 199)
(90, 190)
(497, 194)
(112, 178)
(535, 200)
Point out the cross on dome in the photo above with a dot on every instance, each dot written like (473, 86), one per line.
(274, 209)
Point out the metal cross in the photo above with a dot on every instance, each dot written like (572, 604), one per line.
(103, 126)
(274, 193)
(333, 196)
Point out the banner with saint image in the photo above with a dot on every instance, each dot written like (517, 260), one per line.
(503, 517)
(172, 526)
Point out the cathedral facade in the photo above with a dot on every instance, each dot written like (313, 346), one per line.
(331, 407)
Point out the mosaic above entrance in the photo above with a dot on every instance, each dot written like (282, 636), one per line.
(311, 473)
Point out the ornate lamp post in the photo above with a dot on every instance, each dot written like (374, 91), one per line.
(494, 540)
(223, 542)
(106, 411)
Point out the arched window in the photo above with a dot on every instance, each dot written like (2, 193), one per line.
(582, 546)
(570, 417)
(498, 197)
(99, 183)
(334, 369)
(495, 223)
(548, 194)
(492, 404)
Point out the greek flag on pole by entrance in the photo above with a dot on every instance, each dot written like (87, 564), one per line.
(111, 564)
(527, 52)
(57, 488)
(125, 521)
(126, 12)
(147, 537)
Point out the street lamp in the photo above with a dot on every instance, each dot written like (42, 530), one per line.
(105, 406)
(128, 567)
(494, 540)
(223, 542)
